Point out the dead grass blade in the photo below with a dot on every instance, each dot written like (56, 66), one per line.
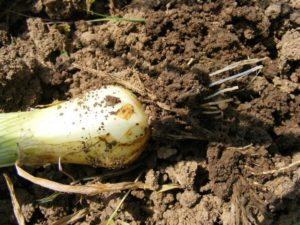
(168, 187)
(236, 64)
(279, 170)
(217, 102)
(71, 218)
(236, 76)
(184, 136)
(17, 209)
(211, 112)
(88, 189)
(222, 92)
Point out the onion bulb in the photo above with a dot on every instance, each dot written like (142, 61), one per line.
(103, 128)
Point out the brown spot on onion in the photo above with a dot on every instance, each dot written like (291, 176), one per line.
(111, 100)
(125, 112)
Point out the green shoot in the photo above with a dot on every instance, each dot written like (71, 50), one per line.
(64, 54)
(49, 198)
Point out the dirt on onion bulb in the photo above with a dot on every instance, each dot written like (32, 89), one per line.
(104, 128)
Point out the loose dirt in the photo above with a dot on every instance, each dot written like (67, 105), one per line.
(232, 166)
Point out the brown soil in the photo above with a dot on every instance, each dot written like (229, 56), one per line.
(217, 159)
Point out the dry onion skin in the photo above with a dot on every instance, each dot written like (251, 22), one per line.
(104, 128)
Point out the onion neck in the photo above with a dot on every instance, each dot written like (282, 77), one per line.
(9, 135)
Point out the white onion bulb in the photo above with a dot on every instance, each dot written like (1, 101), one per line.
(105, 127)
